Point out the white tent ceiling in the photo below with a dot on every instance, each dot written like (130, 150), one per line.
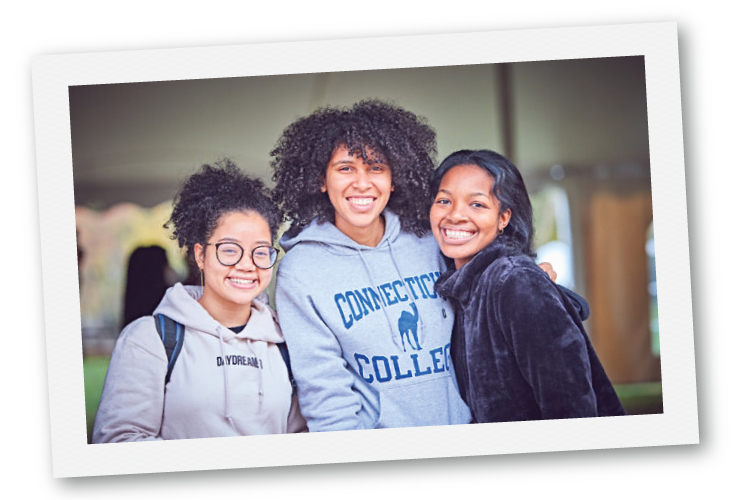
(136, 142)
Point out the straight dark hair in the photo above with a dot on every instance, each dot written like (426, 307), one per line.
(508, 187)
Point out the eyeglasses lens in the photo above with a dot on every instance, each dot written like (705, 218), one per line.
(230, 254)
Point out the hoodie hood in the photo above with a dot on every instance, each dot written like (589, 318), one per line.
(336, 242)
(181, 304)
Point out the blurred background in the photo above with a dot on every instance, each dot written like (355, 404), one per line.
(577, 130)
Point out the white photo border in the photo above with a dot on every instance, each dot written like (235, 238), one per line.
(51, 77)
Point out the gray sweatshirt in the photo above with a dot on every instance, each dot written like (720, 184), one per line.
(369, 338)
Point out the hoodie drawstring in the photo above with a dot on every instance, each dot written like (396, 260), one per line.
(395, 336)
(227, 415)
(422, 334)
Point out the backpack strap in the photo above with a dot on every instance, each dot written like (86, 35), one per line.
(172, 335)
(285, 354)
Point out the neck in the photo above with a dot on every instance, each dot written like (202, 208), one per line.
(368, 236)
(228, 315)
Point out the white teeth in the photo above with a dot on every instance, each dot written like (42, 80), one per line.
(453, 234)
(241, 281)
(361, 201)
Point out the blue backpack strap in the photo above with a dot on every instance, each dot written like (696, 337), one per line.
(172, 335)
(285, 354)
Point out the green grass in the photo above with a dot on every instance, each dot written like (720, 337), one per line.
(94, 371)
(640, 399)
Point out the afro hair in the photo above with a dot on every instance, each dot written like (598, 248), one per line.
(302, 153)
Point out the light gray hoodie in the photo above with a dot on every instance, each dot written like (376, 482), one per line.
(369, 339)
(223, 383)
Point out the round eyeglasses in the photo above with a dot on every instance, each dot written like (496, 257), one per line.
(229, 254)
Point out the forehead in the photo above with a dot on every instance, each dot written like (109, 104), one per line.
(366, 154)
(467, 177)
(241, 225)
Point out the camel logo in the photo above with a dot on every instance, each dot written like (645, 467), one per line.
(407, 326)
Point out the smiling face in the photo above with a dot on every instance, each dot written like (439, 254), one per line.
(228, 290)
(359, 192)
(465, 216)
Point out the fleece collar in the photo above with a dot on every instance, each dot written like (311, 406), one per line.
(457, 283)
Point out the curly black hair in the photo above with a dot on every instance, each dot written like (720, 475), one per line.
(404, 140)
(212, 192)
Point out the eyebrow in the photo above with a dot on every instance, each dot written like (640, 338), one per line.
(342, 161)
(478, 193)
(229, 239)
(382, 163)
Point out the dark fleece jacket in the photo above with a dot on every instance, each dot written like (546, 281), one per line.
(519, 348)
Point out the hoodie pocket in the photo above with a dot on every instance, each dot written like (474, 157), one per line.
(430, 402)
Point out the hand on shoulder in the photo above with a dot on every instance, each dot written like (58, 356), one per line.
(547, 268)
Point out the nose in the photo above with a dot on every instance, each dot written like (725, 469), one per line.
(246, 262)
(456, 213)
(362, 179)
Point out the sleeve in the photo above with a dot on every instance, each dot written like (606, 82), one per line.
(548, 346)
(296, 422)
(579, 303)
(132, 403)
(324, 385)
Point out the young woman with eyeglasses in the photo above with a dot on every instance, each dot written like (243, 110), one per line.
(230, 378)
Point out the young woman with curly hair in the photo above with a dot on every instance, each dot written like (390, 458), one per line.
(369, 338)
(230, 378)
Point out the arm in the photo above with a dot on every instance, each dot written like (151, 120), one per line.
(324, 385)
(548, 346)
(578, 302)
(295, 422)
(132, 402)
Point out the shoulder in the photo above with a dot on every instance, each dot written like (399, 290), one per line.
(518, 273)
(411, 242)
(300, 257)
(142, 334)
(265, 311)
(521, 289)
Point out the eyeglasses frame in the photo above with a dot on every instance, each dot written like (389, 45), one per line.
(242, 253)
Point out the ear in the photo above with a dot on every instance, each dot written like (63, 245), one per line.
(504, 220)
(200, 256)
(323, 188)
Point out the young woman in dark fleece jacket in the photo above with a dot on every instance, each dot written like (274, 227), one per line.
(519, 349)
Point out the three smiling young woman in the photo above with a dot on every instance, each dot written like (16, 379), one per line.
(372, 343)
